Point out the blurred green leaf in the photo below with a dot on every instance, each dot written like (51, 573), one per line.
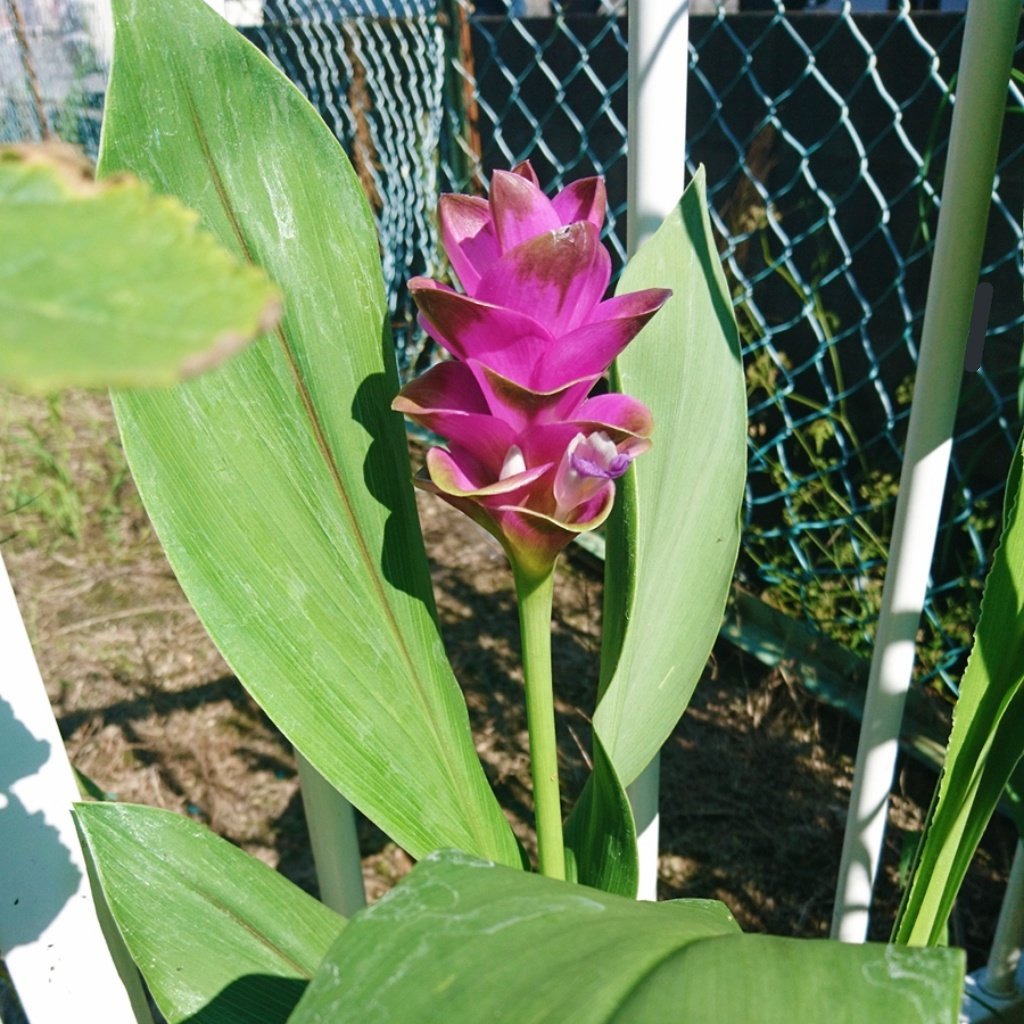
(218, 936)
(463, 941)
(985, 745)
(280, 484)
(109, 284)
(674, 537)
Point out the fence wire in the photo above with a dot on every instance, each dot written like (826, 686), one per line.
(824, 135)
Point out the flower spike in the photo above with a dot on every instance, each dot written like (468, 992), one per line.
(530, 456)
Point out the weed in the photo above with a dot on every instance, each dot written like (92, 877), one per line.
(62, 471)
(821, 512)
(37, 480)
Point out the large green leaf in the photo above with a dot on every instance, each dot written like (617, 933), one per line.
(462, 941)
(986, 743)
(279, 484)
(763, 979)
(108, 284)
(477, 943)
(219, 937)
(674, 537)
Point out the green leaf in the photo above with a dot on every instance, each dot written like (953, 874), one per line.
(985, 744)
(218, 936)
(89, 789)
(764, 979)
(108, 284)
(280, 484)
(477, 942)
(600, 835)
(674, 537)
(462, 941)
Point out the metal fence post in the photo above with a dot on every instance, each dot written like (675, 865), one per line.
(658, 64)
(1005, 956)
(989, 37)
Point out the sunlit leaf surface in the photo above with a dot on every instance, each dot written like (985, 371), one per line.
(279, 484)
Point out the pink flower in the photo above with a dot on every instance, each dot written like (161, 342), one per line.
(530, 456)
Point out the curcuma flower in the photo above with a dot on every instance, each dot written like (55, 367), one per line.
(529, 455)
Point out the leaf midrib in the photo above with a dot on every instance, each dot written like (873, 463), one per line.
(190, 885)
(325, 452)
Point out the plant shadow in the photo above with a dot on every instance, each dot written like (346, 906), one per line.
(31, 849)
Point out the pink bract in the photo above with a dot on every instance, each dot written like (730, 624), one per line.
(530, 456)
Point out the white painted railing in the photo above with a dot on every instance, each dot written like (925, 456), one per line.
(52, 940)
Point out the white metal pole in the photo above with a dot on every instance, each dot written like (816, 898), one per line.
(658, 63)
(1004, 958)
(99, 21)
(331, 822)
(659, 33)
(985, 61)
(50, 932)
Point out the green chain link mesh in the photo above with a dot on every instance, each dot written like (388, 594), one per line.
(824, 135)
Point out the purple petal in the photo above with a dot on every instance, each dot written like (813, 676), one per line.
(598, 469)
(468, 236)
(591, 349)
(585, 199)
(519, 209)
(557, 278)
(508, 341)
(522, 407)
(447, 400)
(588, 464)
(617, 414)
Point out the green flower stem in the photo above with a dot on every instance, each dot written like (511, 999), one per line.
(534, 594)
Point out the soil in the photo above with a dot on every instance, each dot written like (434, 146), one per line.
(755, 779)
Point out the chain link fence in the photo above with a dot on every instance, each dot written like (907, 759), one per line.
(824, 135)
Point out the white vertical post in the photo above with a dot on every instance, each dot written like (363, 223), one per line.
(659, 57)
(99, 20)
(1004, 958)
(50, 934)
(985, 61)
(331, 822)
(658, 63)
(644, 798)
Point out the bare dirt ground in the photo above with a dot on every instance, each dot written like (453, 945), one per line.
(755, 778)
